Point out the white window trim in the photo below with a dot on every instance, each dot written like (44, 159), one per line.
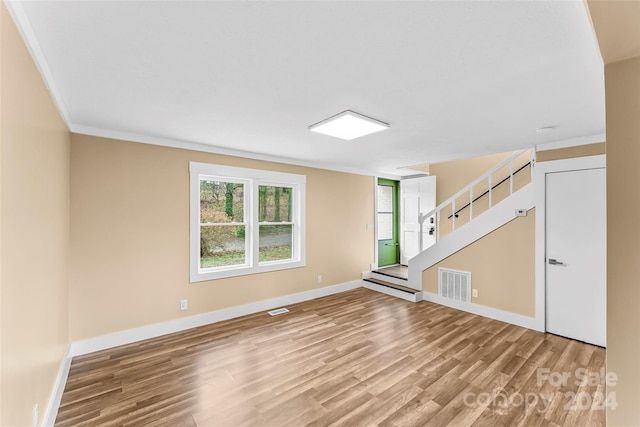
(253, 179)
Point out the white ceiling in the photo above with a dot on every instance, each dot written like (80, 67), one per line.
(454, 79)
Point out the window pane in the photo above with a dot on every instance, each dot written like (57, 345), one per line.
(221, 202)
(385, 226)
(274, 203)
(385, 198)
(275, 242)
(222, 245)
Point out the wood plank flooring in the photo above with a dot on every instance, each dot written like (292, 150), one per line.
(358, 358)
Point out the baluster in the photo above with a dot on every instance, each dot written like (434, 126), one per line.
(419, 233)
(532, 162)
(453, 217)
(490, 185)
(511, 177)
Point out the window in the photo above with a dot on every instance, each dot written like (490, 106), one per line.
(385, 212)
(244, 221)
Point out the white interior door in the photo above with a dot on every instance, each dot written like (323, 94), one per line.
(417, 196)
(576, 255)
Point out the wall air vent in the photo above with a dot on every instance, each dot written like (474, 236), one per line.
(454, 284)
(278, 311)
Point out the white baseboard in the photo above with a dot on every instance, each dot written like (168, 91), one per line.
(151, 331)
(51, 413)
(483, 310)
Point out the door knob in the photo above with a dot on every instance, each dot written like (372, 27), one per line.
(555, 262)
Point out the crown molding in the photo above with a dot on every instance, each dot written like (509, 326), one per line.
(206, 148)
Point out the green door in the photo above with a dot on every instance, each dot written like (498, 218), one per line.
(387, 213)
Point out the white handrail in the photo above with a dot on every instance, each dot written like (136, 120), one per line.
(469, 189)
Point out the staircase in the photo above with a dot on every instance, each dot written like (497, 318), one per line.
(487, 203)
(387, 281)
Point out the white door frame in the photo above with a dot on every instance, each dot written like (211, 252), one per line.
(374, 264)
(539, 179)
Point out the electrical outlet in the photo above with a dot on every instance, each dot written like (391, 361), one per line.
(475, 293)
(184, 304)
(521, 212)
(319, 278)
(35, 415)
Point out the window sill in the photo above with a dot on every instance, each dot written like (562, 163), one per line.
(244, 271)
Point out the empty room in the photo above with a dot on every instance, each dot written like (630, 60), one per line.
(322, 213)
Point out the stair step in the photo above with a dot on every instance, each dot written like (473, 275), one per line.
(390, 274)
(393, 286)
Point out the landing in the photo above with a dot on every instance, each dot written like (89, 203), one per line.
(397, 271)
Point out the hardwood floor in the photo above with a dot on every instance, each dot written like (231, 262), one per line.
(358, 358)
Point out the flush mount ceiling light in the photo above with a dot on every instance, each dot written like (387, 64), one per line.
(545, 129)
(348, 125)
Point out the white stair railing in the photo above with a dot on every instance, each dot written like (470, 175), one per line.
(434, 216)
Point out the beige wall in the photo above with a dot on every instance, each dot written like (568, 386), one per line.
(34, 233)
(130, 236)
(501, 266)
(623, 237)
(617, 26)
(571, 152)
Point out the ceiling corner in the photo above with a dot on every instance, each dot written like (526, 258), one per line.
(617, 27)
(24, 27)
